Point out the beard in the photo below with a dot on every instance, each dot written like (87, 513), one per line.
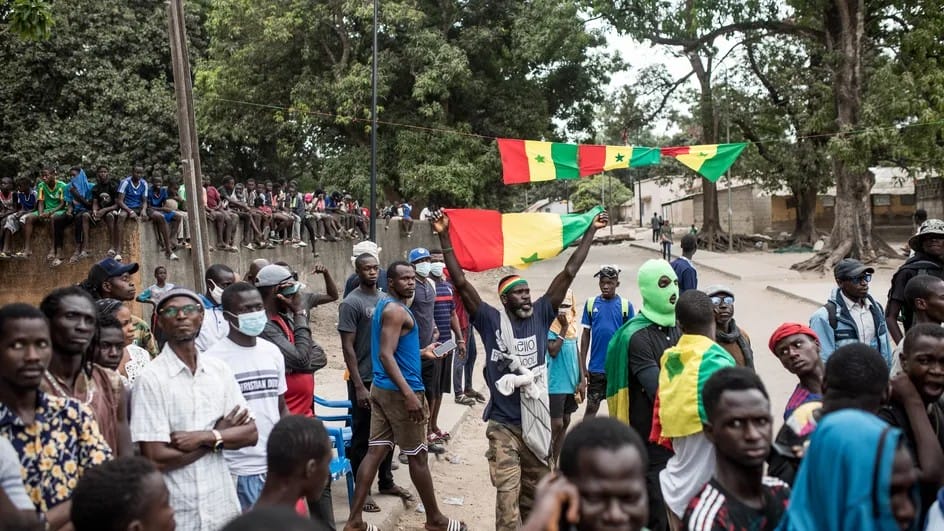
(523, 313)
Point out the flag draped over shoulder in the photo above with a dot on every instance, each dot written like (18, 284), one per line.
(485, 239)
(711, 160)
(617, 367)
(686, 367)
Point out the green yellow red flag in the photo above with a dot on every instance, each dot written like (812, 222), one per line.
(710, 160)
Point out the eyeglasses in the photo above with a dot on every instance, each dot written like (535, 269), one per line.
(187, 310)
(718, 301)
(858, 280)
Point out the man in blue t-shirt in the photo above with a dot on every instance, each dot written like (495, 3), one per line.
(602, 316)
(399, 411)
(514, 467)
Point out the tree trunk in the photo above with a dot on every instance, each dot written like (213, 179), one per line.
(711, 230)
(852, 228)
(804, 232)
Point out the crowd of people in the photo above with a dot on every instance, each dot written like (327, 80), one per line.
(263, 213)
(204, 419)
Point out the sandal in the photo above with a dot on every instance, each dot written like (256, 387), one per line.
(399, 492)
(443, 435)
(112, 253)
(56, 262)
(453, 525)
(50, 257)
(83, 255)
(370, 506)
(432, 438)
(74, 259)
(22, 254)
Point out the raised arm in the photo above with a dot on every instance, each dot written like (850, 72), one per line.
(558, 288)
(470, 298)
(331, 289)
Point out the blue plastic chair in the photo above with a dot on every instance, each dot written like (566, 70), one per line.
(340, 439)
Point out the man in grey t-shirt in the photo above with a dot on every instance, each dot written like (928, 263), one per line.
(354, 322)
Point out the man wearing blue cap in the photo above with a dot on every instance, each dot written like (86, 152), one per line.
(423, 307)
(111, 279)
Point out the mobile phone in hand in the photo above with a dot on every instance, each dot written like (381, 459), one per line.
(445, 348)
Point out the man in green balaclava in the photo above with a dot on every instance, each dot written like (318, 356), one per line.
(632, 369)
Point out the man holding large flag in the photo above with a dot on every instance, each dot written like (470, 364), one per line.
(515, 339)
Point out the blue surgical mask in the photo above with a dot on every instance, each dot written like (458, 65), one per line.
(436, 269)
(252, 323)
(423, 268)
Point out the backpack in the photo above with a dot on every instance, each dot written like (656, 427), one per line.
(623, 302)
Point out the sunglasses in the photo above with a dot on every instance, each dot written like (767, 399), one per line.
(726, 300)
(858, 280)
(187, 310)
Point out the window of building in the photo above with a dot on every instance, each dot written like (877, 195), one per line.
(881, 200)
(828, 201)
(907, 200)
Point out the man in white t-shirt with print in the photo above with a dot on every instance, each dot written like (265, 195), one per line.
(260, 372)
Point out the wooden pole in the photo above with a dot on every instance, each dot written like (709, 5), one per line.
(189, 145)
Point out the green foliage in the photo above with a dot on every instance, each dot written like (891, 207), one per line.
(29, 19)
(285, 91)
(98, 90)
(600, 189)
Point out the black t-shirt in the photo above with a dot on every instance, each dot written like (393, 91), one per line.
(105, 193)
(917, 264)
(894, 413)
(645, 352)
(714, 509)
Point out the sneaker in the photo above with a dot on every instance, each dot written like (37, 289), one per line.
(301, 244)
(117, 257)
(173, 257)
(250, 246)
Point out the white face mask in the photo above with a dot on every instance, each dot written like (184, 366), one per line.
(216, 293)
(436, 269)
(423, 268)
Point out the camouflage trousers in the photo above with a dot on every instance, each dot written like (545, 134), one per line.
(515, 472)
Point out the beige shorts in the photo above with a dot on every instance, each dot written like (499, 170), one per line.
(390, 423)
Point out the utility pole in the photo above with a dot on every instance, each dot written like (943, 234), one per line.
(373, 133)
(189, 146)
(727, 122)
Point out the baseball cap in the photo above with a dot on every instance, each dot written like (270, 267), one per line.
(273, 275)
(850, 268)
(608, 271)
(418, 254)
(715, 289)
(931, 227)
(178, 292)
(365, 246)
(114, 268)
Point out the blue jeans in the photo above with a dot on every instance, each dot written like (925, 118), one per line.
(248, 489)
(462, 369)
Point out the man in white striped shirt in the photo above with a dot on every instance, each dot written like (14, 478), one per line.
(738, 497)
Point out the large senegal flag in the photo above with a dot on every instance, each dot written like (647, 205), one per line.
(526, 161)
(617, 367)
(485, 239)
(711, 160)
(596, 159)
(686, 367)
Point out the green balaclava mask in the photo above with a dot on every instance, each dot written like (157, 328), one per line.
(658, 304)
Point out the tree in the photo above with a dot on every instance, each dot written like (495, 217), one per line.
(98, 90)
(28, 19)
(600, 189)
(452, 75)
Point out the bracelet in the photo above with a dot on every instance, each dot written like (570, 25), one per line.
(460, 342)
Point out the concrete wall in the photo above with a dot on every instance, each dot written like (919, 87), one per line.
(898, 212)
(929, 193)
(28, 280)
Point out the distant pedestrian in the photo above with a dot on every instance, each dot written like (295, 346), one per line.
(666, 239)
(656, 224)
(563, 371)
(683, 265)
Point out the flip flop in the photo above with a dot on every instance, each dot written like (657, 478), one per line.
(443, 435)
(399, 492)
(453, 525)
(370, 506)
(74, 259)
(56, 262)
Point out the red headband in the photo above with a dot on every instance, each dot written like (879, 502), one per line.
(787, 330)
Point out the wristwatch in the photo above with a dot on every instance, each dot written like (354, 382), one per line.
(218, 445)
